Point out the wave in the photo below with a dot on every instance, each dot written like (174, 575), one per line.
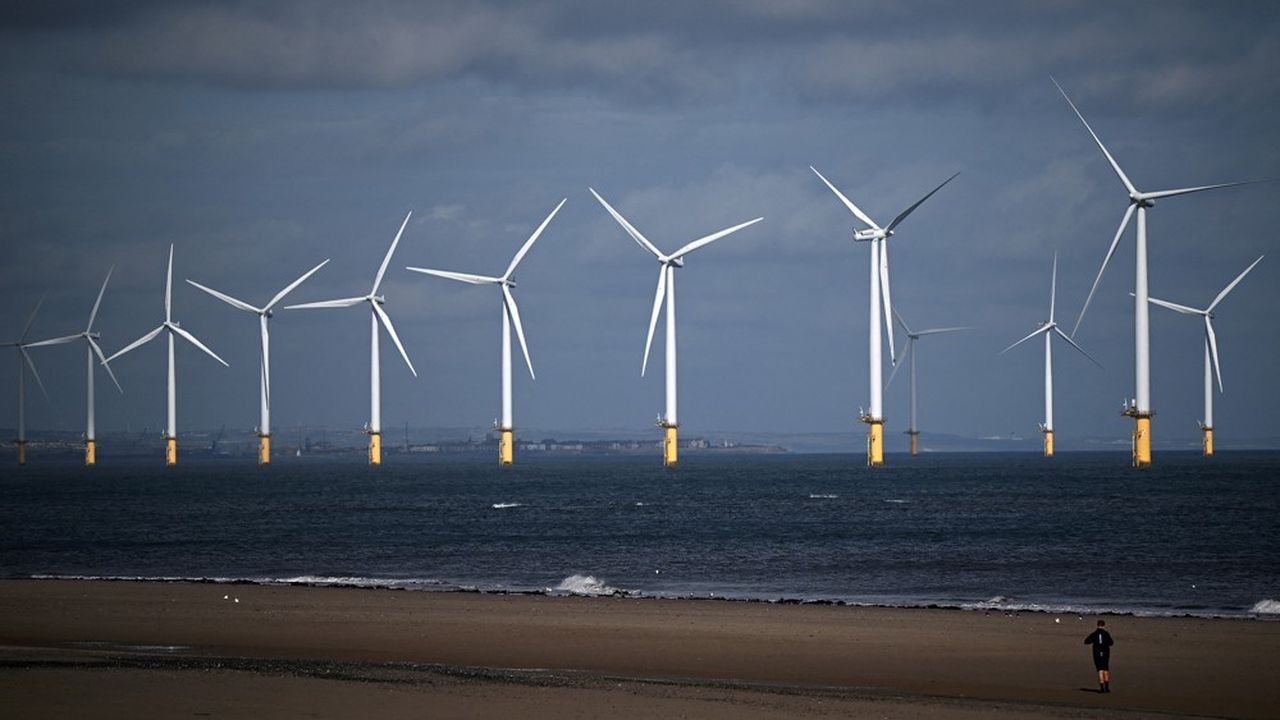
(505, 505)
(585, 585)
(897, 501)
(823, 496)
(591, 586)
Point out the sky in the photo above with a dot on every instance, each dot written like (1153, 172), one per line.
(262, 138)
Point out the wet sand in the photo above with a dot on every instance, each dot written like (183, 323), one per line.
(123, 649)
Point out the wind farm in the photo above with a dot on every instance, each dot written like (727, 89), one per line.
(909, 354)
(510, 316)
(1211, 367)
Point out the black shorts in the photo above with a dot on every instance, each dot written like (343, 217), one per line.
(1102, 662)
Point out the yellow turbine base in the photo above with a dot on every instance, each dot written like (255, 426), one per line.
(171, 451)
(875, 443)
(375, 448)
(1048, 443)
(670, 447)
(506, 447)
(264, 449)
(22, 452)
(1208, 442)
(90, 453)
(1142, 441)
(915, 446)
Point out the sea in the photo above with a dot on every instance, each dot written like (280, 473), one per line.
(1015, 532)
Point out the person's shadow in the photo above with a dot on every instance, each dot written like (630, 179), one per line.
(1090, 690)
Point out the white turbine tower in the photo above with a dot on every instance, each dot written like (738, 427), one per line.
(24, 362)
(1210, 352)
(264, 374)
(877, 236)
(667, 293)
(510, 315)
(912, 336)
(91, 349)
(1048, 329)
(376, 315)
(1141, 410)
(172, 329)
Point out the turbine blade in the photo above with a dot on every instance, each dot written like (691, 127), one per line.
(30, 319)
(653, 318)
(847, 202)
(1053, 287)
(938, 331)
(54, 341)
(532, 238)
(461, 277)
(886, 299)
(1073, 344)
(344, 302)
(903, 323)
(911, 345)
(1201, 188)
(1213, 349)
(386, 323)
(634, 233)
(1124, 223)
(31, 364)
(1114, 165)
(192, 339)
(712, 238)
(1042, 329)
(1174, 306)
(136, 343)
(382, 269)
(103, 359)
(168, 288)
(903, 215)
(292, 286)
(94, 313)
(237, 304)
(510, 301)
(1233, 284)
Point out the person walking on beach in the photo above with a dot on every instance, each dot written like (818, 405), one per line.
(1101, 643)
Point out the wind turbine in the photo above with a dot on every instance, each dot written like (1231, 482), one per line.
(24, 362)
(912, 336)
(1141, 410)
(264, 374)
(877, 236)
(1049, 329)
(1210, 352)
(91, 349)
(667, 292)
(510, 314)
(172, 329)
(376, 315)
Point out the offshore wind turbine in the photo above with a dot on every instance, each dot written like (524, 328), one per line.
(264, 374)
(877, 237)
(91, 349)
(172, 330)
(510, 315)
(376, 315)
(24, 362)
(1141, 411)
(912, 336)
(666, 293)
(1210, 352)
(1050, 328)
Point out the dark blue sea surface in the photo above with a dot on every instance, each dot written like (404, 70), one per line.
(1013, 531)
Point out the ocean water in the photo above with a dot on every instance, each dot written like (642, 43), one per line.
(1080, 533)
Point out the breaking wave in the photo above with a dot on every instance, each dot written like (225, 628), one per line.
(584, 585)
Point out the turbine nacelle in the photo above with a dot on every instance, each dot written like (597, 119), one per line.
(869, 235)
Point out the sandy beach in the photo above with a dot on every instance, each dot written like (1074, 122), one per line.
(126, 649)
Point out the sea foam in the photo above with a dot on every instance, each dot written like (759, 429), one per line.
(1265, 607)
(584, 585)
(504, 506)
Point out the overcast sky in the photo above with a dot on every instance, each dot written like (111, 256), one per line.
(262, 138)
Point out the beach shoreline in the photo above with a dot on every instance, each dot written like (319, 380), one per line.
(477, 652)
